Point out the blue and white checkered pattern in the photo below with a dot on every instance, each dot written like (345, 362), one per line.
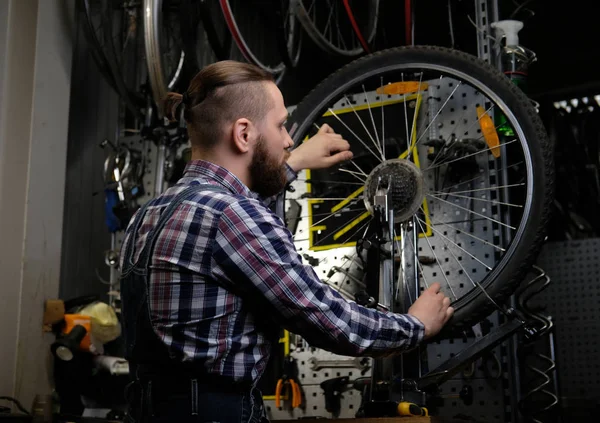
(224, 261)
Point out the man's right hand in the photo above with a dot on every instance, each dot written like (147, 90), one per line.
(433, 309)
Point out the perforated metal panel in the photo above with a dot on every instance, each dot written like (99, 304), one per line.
(314, 405)
(463, 260)
(573, 301)
(453, 243)
(487, 403)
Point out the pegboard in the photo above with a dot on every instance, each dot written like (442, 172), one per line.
(150, 156)
(465, 250)
(572, 300)
(487, 403)
(458, 264)
(313, 405)
(308, 376)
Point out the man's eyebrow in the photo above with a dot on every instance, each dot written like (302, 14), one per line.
(282, 121)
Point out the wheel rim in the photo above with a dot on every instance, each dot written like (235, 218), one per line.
(275, 68)
(319, 20)
(511, 239)
(162, 76)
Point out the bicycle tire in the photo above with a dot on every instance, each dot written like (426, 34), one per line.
(83, 8)
(241, 43)
(320, 39)
(221, 45)
(363, 42)
(289, 39)
(160, 82)
(503, 280)
(104, 55)
(198, 28)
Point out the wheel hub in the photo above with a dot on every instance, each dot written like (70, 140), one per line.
(402, 180)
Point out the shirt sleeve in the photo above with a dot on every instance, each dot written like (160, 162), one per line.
(256, 252)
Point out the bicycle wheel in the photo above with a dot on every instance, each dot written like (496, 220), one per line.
(329, 26)
(262, 50)
(204, 32)
(163, 45)
(465, 163)
(289, 34)
(111, 35)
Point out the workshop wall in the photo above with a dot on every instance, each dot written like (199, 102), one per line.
(35, 74)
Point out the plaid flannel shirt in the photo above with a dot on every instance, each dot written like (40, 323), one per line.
(225, 259)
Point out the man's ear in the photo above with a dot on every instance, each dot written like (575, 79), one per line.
(241, 135)
(244, 134)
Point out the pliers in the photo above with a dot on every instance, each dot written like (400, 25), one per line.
(289, 377)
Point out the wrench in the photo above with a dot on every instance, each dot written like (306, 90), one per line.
(359, 363)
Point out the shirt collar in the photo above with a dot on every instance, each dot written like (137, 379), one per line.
(204, 169)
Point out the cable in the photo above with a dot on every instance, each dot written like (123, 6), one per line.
(17, 403)
(450, 23)
(518, 9)
(407, 22)
(481, 30)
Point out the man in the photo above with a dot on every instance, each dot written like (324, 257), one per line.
(209, 273)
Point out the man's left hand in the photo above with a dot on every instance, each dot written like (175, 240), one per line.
(323, 150)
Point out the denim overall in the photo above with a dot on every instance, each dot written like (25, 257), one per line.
(164, 389)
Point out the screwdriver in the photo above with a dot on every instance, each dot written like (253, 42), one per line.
(410, 409)
(392, 408)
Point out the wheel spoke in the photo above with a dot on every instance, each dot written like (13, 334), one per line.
(365, 128)
(357, 175)
(474, 283)
(324, 214)
(414, 122)
(471, 211)
(382, 142)
(485, 189)
(438, 112)
(455, 244)
(337, 25)
(358, 167)
(328, 20)
(458, 230)
(406, 118)
(469, 155)
(353, 133)
(440, 194)
(438, 261)
(457, 140)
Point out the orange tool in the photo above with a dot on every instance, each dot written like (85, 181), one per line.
(289, 377)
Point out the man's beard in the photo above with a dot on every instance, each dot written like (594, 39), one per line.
(267, 175)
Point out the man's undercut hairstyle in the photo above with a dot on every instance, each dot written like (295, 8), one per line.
(220, 94)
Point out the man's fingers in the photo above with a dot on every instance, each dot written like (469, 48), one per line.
(339, 144)
(435, 287)
(325, 129)
(446, 302)
(339, 157)
(449, 312)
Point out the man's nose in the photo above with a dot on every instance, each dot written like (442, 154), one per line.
(289, 142)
